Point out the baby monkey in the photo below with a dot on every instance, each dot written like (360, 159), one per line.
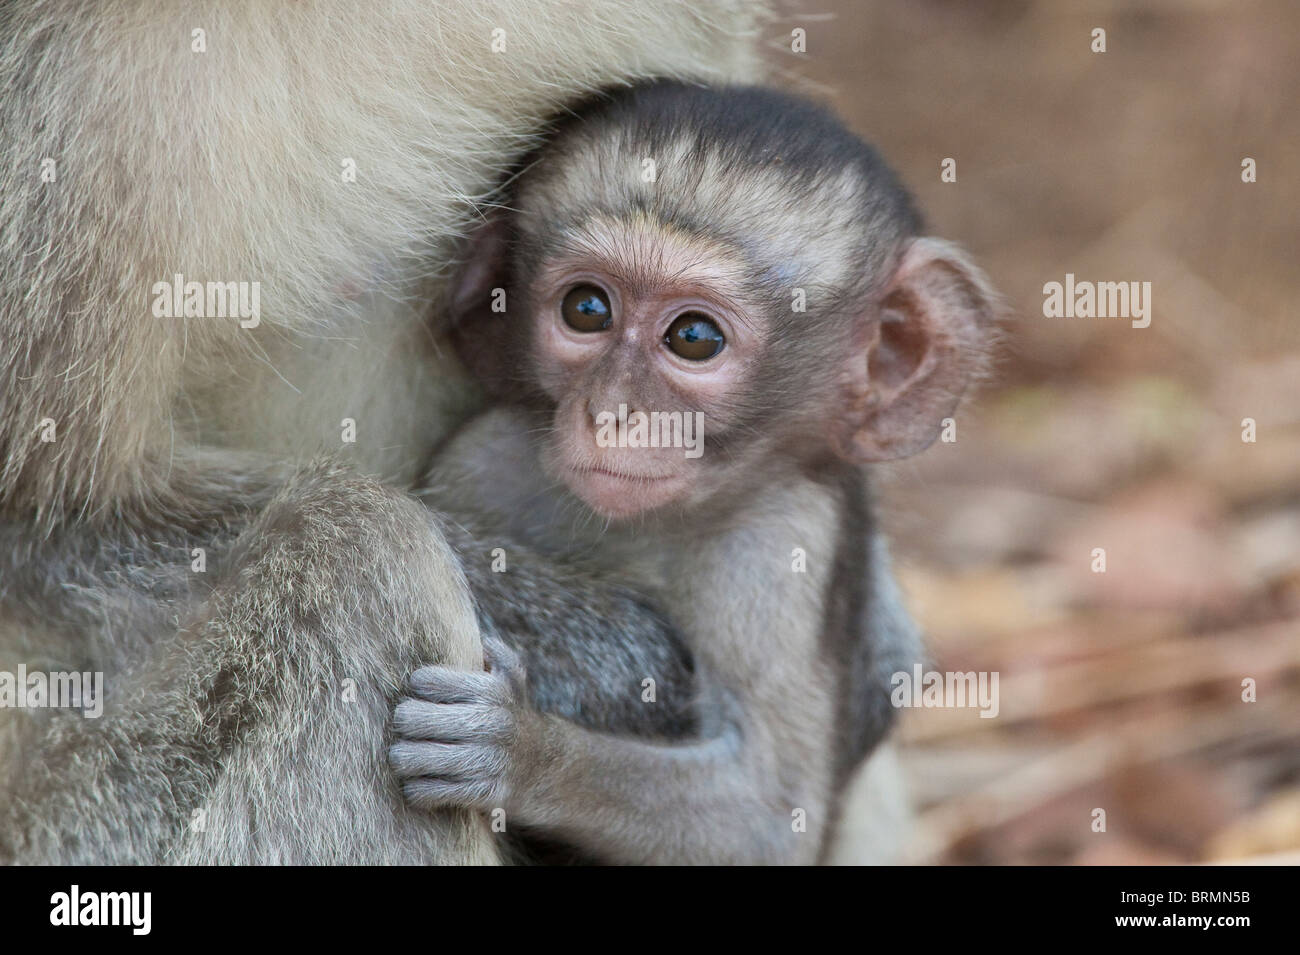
(733, 257)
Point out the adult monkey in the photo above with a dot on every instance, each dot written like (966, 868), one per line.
(330, 154)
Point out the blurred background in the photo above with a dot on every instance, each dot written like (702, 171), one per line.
(1119, 690)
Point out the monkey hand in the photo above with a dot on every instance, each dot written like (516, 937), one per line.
(457, 737)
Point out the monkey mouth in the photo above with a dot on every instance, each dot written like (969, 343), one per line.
(624, 476)
(620, 494)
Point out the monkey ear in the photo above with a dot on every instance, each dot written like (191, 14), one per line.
(477, 332)
(931, 338)
(484, 269)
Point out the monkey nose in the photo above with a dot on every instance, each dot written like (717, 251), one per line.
(598, 410)
(607, 412)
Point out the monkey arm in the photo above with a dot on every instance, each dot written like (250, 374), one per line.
(713, 801)
(254, 732)
(586, 640)
(472, 739)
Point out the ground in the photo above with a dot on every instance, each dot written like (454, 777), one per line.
(1120, 690)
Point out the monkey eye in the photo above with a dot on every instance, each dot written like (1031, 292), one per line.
(586, 309)
(695, 337)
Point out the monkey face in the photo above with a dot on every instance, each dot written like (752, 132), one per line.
(640, 337)
(740, 318)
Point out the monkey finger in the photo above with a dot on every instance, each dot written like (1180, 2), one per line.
(452, 722)
(445, 685)
(445, 761)
(499, 656)
(502, 660)
(440, 794)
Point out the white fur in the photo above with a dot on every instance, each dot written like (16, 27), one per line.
(226, 165)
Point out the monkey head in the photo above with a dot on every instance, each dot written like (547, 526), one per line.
(726, 269)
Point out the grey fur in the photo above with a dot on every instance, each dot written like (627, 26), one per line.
(724, 792)
(242, 717)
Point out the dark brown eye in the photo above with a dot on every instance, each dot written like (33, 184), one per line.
(586, 309)
(695, 337)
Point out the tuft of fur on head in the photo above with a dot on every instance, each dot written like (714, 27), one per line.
(807, 201)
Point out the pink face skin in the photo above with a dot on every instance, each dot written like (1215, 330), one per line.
(652, 279)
